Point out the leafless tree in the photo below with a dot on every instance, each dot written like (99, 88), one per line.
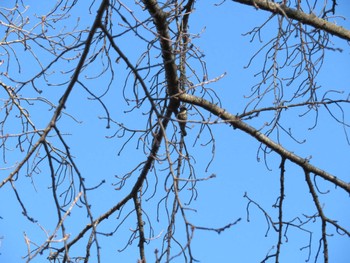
(53, 57)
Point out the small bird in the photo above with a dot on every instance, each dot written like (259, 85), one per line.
(182, 116)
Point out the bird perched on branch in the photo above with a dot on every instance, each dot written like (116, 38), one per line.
(182, 116)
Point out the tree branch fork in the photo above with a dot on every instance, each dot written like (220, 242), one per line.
(237, 123)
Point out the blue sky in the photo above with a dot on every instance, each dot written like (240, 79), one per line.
(220, 200)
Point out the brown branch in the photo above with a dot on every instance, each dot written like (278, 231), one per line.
(320, 213)
(161, 23)
(171, 77)
(66, 94)
(140, 223)
(243, 126)
(132, 193)
(308, 19)
(285, 106)
(280, 208)
(220, 229)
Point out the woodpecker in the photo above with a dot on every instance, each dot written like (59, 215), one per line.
(182, 116)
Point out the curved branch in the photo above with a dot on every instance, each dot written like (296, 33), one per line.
(66, 94)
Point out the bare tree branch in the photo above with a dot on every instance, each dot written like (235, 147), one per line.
(239, 124)
(290, 13)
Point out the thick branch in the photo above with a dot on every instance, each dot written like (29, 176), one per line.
(241, 125)
(308, 19)
(161, 23)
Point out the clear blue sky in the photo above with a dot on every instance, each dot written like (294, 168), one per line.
(220, 200)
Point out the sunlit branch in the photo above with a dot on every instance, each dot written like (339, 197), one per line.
(237, 123)
(146, 58)
(309, 19)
